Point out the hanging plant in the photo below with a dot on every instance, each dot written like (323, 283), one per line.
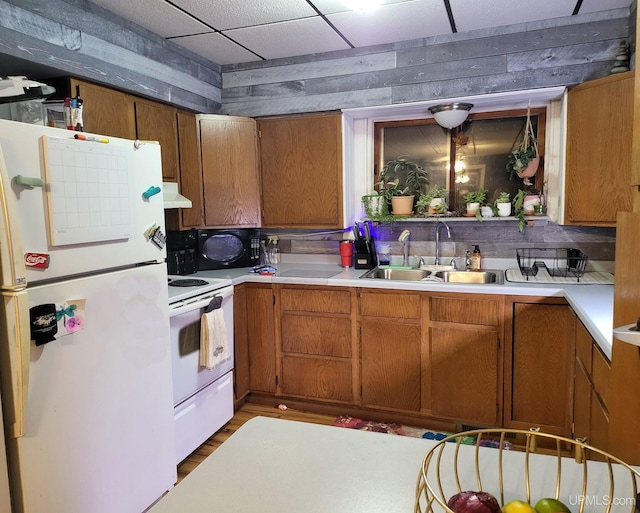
(524, 161)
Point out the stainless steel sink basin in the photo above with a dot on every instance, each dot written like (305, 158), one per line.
(470, 276)
(439, 276)
(396, 274)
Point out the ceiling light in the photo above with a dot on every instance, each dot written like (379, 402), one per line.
(451, 115)
(362, 6)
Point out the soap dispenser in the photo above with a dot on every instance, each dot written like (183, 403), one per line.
(476, 259)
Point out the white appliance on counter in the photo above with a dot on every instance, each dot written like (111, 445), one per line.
(85, 365)
(203, 398)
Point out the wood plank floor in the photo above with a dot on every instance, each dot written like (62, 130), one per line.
(242, 415)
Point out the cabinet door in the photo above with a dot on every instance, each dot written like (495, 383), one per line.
(542, 363)
(228, 146)
(582, 403)
(599, 139)
(318, 378)
(190, 171)
(390, 364)
(106, 111)
(261, 338)
(158, 122)
(599, 436)
(464, 374)
(241, 342)
(301, 171)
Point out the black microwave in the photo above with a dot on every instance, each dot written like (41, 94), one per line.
(225, 249)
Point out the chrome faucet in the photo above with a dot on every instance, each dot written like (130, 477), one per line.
(448, 232)
(404, 239)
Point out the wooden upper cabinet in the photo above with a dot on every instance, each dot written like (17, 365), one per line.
(190, 172)
(106, 111)
(599, 141)
(158, 122)
(228, 146)
(301, 171)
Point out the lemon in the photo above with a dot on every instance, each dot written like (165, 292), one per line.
(547, 505)
(518, 507)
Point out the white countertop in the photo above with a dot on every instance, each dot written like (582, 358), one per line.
(593, 304)
(282, 466)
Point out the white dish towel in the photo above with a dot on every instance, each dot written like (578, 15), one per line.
(214, 344)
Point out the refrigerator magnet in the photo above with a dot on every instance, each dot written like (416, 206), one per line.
(70, 316)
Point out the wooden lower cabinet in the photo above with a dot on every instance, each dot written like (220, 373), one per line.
(315, 332)
(539, 375)
(465, 358)
(390, 349)
(261, 338)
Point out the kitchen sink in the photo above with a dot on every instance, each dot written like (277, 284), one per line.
(397, 274)
(470, 276)
(439, 276)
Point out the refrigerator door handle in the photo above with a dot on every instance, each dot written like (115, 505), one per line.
(15, 360)
(11, 255)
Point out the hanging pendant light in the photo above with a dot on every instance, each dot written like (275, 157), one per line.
(450, 115)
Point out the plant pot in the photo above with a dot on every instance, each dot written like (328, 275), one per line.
(472, 208)
(504, 209)
(529, 202)
(435, 207)
(486, 211)
(375, 206)
(530, 170)
(402, 205)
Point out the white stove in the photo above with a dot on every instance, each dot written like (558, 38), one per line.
(202, 397)
(185, 287)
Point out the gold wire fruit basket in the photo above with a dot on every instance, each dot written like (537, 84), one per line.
(568, 472)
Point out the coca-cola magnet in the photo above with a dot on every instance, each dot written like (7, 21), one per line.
(37, 260)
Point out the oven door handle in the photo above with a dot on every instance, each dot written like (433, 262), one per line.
(199, 302)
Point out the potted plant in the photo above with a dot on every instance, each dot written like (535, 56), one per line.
(401, 199)
(408, 173)
(503, 204)
(375, 206)
(524, 161)
(518, 209)
(473, 200)
(434, 201)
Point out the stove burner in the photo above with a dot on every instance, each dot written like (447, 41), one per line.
(187, 282)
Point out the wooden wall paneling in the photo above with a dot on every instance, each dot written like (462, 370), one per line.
(624, 402)
(69, 36)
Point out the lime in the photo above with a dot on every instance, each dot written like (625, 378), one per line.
(547, 505)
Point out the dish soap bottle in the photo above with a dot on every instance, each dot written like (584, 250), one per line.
(476, 259)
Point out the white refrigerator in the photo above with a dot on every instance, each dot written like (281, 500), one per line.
(85, 369)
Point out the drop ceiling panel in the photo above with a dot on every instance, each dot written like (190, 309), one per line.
(289, 38)
(229, 14)
(394, 22)
(492, 13)
(216, 48)
(155, 15)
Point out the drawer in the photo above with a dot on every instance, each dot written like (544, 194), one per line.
(467, 311)
(200, 416)
(316, 335)
(307, 300)
(601, 373)
(405, 306)
(315, 377)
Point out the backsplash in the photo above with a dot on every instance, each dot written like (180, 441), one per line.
(497, 239)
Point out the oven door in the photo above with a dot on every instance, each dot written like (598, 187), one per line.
(188, 376)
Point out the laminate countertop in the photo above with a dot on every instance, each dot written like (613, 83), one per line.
(593, 304)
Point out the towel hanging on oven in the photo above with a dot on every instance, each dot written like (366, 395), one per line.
(214, 342)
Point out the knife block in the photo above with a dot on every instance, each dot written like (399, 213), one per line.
(364, 255)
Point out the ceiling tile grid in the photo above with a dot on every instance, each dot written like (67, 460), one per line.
(244, 31)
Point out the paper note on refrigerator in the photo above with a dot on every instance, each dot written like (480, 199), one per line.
(88, 190)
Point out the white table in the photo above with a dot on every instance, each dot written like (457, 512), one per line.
(281, 466)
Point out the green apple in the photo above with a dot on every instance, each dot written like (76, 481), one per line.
(547, 505)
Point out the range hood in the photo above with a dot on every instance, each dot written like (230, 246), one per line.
(172, 198)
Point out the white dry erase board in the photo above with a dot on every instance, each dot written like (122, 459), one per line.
(88, 190)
